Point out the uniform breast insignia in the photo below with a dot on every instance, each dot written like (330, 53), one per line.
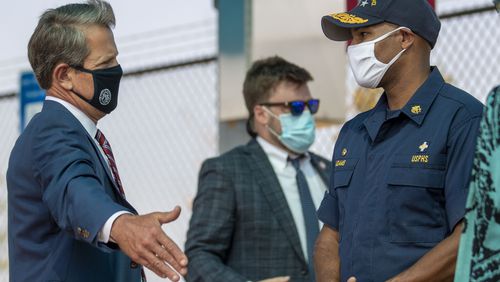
(423, 147)
(363, 3)
(348, 18)
(421, 158)
(340, 163)
(416, 110)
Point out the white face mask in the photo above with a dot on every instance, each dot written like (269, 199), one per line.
(367, 69)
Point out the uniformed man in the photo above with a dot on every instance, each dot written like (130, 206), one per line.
(398, 189)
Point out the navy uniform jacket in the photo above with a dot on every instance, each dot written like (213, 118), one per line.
(60, 194)
(399, 183)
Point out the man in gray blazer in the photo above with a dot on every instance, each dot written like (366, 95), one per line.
(254, 214)
(69, 219)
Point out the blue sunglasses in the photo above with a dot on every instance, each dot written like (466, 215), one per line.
(297, 107)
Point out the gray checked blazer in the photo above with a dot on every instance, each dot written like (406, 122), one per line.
(242, 228)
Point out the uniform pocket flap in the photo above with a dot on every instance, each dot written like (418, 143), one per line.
(402, 234)
(343, 173)
(416, 177)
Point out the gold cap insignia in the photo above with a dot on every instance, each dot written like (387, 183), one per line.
(348, 18)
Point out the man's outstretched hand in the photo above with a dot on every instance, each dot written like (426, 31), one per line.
(142, 239)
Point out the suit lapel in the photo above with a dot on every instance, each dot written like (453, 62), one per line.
(48, 106)
(271, 188)
(55, 106)
(108, 173)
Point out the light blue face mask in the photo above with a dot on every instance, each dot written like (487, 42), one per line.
(297, 132)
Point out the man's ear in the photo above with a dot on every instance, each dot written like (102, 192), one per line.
(261, 116)
(408, 39)
(63, 75)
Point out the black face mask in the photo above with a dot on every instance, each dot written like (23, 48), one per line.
(106, 85)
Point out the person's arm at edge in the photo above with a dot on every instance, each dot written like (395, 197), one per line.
(326, 255)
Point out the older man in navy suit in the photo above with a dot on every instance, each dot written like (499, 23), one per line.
(68, 216)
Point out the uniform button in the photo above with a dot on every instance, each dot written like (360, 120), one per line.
(304, 272)
(85, 234)
(133, 265)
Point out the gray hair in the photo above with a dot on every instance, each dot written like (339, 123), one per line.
(60, 38)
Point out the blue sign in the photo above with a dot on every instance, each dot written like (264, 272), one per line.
(31, 98)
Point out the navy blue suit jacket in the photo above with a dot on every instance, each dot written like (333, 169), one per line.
(60, 194)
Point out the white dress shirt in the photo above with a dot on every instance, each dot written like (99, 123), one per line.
(91, 129)
(286, 175)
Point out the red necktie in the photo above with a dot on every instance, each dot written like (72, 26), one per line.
(106, 148)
